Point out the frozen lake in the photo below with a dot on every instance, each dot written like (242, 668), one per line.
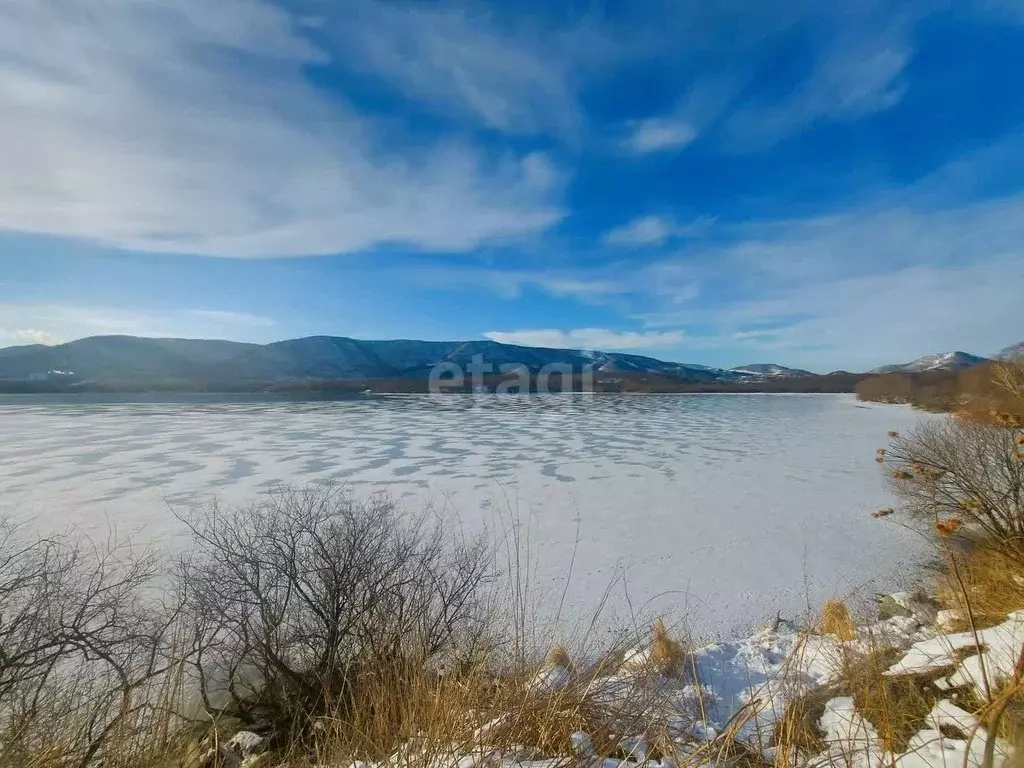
(723, 509)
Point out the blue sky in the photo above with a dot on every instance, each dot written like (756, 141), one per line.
(829, 185)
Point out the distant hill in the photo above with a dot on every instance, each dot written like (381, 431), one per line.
(22, 350)
(947, 361)
(1016, 350)
(122, 358)
(129, 361)
(132, 363)
(771, 369)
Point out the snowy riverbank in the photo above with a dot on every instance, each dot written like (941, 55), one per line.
(731, 696)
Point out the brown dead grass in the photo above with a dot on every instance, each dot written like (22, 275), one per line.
(990, 586)
(558, 656)
(896, 706)
(403, 704)
(798, 729)
(835, 620)
(667, 653)
(505, 710)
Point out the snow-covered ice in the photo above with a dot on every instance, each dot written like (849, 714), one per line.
(721, 509)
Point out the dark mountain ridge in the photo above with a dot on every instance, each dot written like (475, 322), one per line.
(130, 360)
(127, 363)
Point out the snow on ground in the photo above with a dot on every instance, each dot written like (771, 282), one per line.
(951, 737)
(728, 508)
(1001, 657)
(745, 686)
(853, 742)
(774, 666)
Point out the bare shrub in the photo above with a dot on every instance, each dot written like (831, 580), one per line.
(83, 654)
(1008, 375)
(306, 596)
(950, 472)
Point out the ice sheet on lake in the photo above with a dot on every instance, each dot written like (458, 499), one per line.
(728, 507)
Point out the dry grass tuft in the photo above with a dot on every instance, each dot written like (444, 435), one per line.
(558, 656)
(990, 585)
(667, 654)
(797, 730)
(835, 620)
(545, 724)
(896, 706)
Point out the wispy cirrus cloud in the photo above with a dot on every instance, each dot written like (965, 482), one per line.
(511, 73)
(193, 127)
(910, 271)
(859, 289)
(510, 283)
(855, 76)
(860, 54)
(658, 134)
(51, 322)
(703, 103)
(656, 230)
(589, 338)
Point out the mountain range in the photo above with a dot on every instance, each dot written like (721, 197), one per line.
(130, 361)
(770, 369)
(190, 362)
(1016, 350)
(948, 361)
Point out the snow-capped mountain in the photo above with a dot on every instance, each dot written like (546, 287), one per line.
(117, 360)
(1016, 350)
(770, 369)
(947, 361)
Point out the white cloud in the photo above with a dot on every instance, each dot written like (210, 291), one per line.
(33, 336)
(56, 323)
(613, 285)
(189, 126)
(909, 275)
(658, 134)
(589, 338)
(872, 286)
(857, 74)
(703, 103)
(647, 230)
(509, 283)
(656, 230)
(461, 57)
(861, 50)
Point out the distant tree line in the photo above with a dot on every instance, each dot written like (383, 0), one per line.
(655, 383)
(604, 381)
(980, 390)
